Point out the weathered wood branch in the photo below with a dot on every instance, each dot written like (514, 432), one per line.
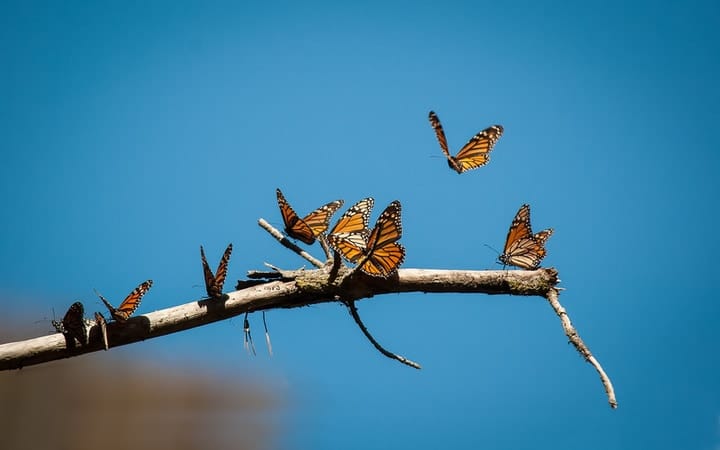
(295, 289)
(298, 288)
(577, 342)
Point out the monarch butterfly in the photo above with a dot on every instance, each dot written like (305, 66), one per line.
(73, 323)
(379, 255)
(472, 155)
(100, 321)
(523, 248)
(353, 224)
(129, 305)
(214, 282)
(312, 225)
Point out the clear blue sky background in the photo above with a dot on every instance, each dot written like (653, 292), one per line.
(132, 134)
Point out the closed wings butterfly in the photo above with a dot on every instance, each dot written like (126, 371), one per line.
(214, 282)
(352, 227)
(523, 248)
(472, 155)
(102, 324)
(73, 323)
(310, 226)
(129, 305)
(379, 254)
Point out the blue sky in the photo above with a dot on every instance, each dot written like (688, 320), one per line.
(131, 134)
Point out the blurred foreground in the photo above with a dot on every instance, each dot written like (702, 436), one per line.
(79, 403)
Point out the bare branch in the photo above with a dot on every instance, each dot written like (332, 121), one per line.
(572, 334)
(354, 313)
(298, 288)
(305, 288)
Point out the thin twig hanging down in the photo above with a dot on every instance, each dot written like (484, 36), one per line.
(248, 341)
(267, 335)
(572, 334)
(286, 243)
(354, 313)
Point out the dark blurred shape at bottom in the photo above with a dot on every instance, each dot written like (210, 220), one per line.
(83, 403)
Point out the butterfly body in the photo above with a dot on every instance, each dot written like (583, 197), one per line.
(523, 248)
(73, 323)
(309, 227)
(376, 253)
(475, 153)
(128, 306)
(214, 282)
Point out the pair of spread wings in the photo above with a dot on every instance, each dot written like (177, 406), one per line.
(375, 252)
(523, 248)
(472, 155)
(214, 281)
(129, 305)
(309, 227)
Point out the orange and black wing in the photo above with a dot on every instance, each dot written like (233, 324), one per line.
(383, 255)
(130, 304)
(207, 273)
(523, 248)
(437, 126)
(542, 236)
(309, 227)
(73, 323)
(214, 282)
(384, 261)
(472, 155)
(351, 246)
(319, 219)
(349, 235)
(476, 152)
(295, 227)
(222, 269)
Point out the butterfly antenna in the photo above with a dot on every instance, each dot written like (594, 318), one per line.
(267, 335)
(44, 319)
(58, 326)
(248, 342)
(492, 248)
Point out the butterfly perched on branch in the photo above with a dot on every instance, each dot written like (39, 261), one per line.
(102, 324)
(472, 155)
(214, 281)
(129, 305)
(309, 227)
(376, 253)
(523, 248)
(73, 323)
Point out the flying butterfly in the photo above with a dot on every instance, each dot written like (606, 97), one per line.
(100, 322)
(523, 248)
(309, 227)
(73, 323)
(379, 255)
(472, 155)
(214, 282)
(353, 225)
(129, 305)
